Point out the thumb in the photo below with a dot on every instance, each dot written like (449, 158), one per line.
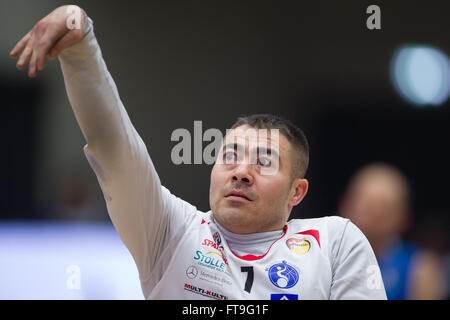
(69, 39)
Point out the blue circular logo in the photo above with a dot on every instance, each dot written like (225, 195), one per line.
(283, 276)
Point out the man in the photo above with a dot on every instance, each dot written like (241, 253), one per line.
(243, 248)
(378, 202)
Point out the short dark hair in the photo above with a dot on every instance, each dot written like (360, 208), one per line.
(297, 138)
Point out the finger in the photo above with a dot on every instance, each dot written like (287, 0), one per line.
(40, 61)
(20, 45)
(41, 54)
(32, 69)
(26, 54)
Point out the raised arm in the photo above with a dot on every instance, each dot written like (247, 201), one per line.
(143, 212)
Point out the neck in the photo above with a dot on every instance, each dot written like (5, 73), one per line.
(251, 243)
(244, 229)
(234, 235)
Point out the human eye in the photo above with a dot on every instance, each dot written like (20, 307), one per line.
(264, 161)
(229, 157)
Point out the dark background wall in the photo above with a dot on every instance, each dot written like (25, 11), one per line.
(18, 132)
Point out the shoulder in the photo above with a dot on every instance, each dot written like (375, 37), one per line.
(343, 232)
(329, 224)
(334, 230)
(329, 229)
(338, 227)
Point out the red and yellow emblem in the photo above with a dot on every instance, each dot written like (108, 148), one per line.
(298, 246)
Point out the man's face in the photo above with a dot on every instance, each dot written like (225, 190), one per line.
(246, 196)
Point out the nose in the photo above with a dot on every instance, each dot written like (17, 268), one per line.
(243, 174)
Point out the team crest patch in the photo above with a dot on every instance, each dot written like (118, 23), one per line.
(298, 246)
(283, 275)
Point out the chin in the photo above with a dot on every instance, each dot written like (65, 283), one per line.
(231, 219)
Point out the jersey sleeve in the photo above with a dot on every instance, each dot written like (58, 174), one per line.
(355, 271)
(144, 213)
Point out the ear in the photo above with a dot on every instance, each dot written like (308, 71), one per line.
(298, 191)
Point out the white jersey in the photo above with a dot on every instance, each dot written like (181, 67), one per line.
(182, 253)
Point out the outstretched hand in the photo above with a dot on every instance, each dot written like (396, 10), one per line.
(62, 28)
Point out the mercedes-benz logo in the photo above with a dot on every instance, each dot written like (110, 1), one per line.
(191, 272)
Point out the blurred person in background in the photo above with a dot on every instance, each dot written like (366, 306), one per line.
(432, 234)
(378, 202)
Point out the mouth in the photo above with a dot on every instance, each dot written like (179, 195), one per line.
(236, 195)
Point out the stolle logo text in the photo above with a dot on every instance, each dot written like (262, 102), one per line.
(209, 260)
(250, 146)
